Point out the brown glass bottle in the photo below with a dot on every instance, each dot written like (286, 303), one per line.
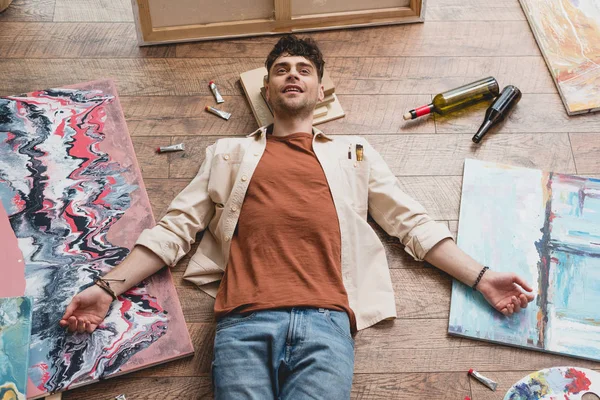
(471, 93)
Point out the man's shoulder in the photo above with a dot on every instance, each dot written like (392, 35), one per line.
(229, 143)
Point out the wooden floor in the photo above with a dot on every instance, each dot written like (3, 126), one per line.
(379, 74)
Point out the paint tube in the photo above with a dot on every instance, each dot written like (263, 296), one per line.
(215, 92)
(486, 381)
(121, 397)
(223, 114)
(168, 149)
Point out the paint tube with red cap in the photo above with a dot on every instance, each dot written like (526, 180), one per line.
(486, 381)
(215, 92)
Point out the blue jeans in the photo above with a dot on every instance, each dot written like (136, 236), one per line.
(298, 353)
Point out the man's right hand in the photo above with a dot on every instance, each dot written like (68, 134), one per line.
(86, 310)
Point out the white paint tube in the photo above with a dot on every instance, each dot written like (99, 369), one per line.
(215, 92)
(223, 114)
(168, 149)
(486, 381)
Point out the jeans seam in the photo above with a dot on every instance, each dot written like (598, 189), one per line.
(337, 329)
(236, 321)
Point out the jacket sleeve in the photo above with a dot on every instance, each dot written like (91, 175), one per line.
(189, 213)
(397, 213)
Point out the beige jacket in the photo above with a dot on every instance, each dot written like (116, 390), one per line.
(215, 196)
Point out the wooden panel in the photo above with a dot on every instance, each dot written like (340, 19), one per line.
(432, 75)
(152, 77)
(412, 155)
(409, 386)
(153, 165)
(84, 40)
(419, 346)
(161, 192)
(283, 10)
(542, 113)
(474, 10)
(418, 155)
(437, 39)
(28, 10)
(145, 388)
(446, 386)
(185, 115)
(586, 150)
(309, 7)
(93, 11)
(155, 28)
(191, 12)
(440, 195)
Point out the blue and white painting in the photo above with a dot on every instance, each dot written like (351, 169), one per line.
(15, 330)
(545, 227)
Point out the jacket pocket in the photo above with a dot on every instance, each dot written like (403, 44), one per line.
(355, 176)
(223, 170)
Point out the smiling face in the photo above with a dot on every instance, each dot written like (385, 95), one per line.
(293, 87)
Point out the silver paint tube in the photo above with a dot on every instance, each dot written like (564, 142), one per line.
(168, 149)
(486, 381)
(223, 114)
(215, 92)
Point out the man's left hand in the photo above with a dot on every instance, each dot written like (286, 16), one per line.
(506, 292)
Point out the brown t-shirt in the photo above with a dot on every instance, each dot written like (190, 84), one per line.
(286, 249)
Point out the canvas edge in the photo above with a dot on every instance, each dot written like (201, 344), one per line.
(570, 111)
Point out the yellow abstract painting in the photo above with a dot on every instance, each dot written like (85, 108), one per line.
(568, 34)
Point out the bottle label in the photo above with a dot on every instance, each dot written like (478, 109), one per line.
(420, 111)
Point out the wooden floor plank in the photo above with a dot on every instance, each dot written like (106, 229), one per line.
(410, 386)
(473, 10)
(189, 77)
(446, 386)
(28, 10)
(424, 155)
(153, 165)
(540, 113)
(185, 115)
(365, 115)
(145, 388)
(74, 40)
(586, 150)
(93, 11)
(393, 347)
(432, 39)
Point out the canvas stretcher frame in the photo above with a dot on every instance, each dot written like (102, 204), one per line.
(281, 21)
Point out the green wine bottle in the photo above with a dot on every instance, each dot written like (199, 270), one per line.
(471, 93)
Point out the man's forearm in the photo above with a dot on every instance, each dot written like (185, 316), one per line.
(448, 257)
(137, 266)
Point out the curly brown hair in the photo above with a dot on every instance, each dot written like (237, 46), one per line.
(293, 46)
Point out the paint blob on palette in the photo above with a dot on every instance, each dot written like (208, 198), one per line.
(560, 383)
(15, 329)
(545, 227)
(75, 200)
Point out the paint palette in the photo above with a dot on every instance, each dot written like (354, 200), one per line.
(564, 383)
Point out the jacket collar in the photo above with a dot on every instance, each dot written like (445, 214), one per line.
(263, 131)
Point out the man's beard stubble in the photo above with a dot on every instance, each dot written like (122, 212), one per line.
(304, 109)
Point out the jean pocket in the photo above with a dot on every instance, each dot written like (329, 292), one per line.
(234, 319)
(340, 323)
